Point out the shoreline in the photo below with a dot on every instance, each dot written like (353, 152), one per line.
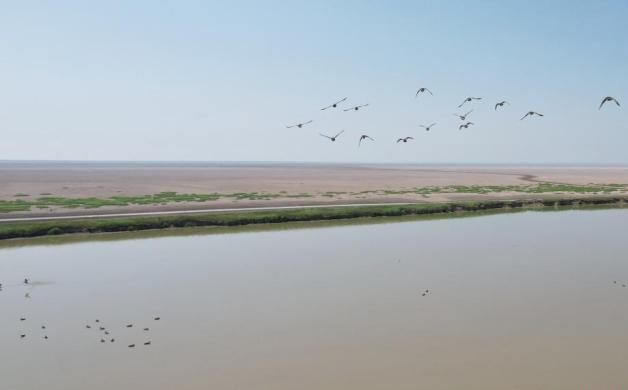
(242, 217)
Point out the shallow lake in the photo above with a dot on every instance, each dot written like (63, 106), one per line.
(515, 301)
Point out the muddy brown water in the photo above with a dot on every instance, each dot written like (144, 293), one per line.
(516, 301)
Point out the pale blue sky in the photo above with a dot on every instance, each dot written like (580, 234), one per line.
(201, 80)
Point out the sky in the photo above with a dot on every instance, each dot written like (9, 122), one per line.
(220, 81)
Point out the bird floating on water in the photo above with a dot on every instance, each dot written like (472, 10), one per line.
(609, 99)
(333, 139)
(334, 105)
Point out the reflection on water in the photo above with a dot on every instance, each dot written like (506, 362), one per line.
(513, 301)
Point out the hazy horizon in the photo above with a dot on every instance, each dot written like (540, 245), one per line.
(197, 81)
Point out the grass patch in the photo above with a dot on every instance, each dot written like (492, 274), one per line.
(242, 218)
(164, 198)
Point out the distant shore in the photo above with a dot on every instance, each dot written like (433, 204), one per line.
(71, 189)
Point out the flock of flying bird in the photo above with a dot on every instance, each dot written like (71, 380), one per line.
(463, 117)
(105, 335)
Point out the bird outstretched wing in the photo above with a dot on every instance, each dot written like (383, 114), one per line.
(341, 131)
(333, 104)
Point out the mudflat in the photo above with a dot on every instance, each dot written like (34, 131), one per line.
(280, 184)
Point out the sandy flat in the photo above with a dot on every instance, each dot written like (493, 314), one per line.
(102, 180)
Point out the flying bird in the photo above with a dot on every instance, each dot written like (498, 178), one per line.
(157, 318)
(334, 105)
(465, 125)
(356, 108)
(299, 125)
(422, 90)
(468, 100)
(404, 139)
(427, 128)
(501, 104)
(530, 113)
(333, 139)
(609, 99)
(363, 137)
(464, 116)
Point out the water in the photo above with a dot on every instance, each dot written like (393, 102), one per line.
(516, 301)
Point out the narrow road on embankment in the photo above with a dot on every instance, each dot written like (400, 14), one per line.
(202, 211)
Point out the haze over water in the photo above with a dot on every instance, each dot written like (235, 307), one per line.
(516, 301)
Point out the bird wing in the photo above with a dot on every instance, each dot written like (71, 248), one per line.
(616, 102)
(539, 114)
(399, 140)
(305, 123)
(324, 108)
(363, 105)
(291, 126)
(372, 139)
(341, 131)
(340, 101)
(463, 102)
(524, 117)
(409, 138)
(497, 104)
(326, 136)
(360, 141)
(349, 109)
(467, 114)
(432, 124)
(418, 91)
(429, 91)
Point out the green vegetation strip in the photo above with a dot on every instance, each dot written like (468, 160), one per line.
(23, 204)
(240, 218)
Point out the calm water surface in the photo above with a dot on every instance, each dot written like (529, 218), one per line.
(516, 301)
